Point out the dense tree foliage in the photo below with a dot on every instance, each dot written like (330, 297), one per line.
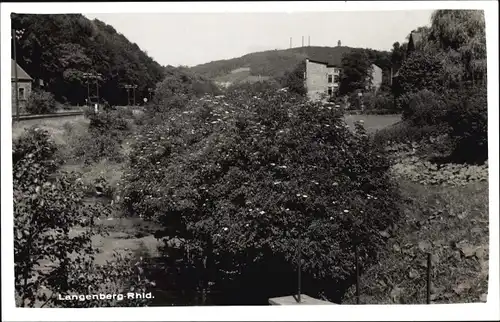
(461, 33)
(398, 55)
(235, 180)
(60, 48)
(356, 72)
(294, 80)
(45, 211)
(53, 230)
(420, 71)
(179, 86)
(40, 102)
(442, 82)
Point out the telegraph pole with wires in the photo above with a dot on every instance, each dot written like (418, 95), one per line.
(127, 87)
(150, 90)
(93, 79)
(134, 87)
(16, 84)
(130, 87)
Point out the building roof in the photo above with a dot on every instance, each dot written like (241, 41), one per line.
(21, 74)
(323, 63)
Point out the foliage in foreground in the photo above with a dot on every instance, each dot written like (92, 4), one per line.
(53, 230)
(235, 181)
(40, 102)
(103, 138)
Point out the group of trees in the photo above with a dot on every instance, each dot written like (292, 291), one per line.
(442, 81)
(53, 231)
(233, 181)
(60, 48)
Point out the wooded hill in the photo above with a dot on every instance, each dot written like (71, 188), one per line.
(275, 63)
(60, 48)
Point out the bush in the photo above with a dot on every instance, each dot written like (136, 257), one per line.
(107, 130)
(294, 80)
(355, 101)
(40, 102)
(252, 88)
(235, 181)
(467, 115)
(404, 132)
(419, 71)
(45, 210)
(384, 101)
(425, 108)
(378, 101)
(179, 86)
(53, 227)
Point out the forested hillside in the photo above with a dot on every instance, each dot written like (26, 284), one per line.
(60, 48)
(275, 63)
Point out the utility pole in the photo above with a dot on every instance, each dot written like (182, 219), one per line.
(290, 42)
(134, 87)
(129, 87)
(309, 41)
(16, 86)
(150, 90)
(97, 77)
(302, 41)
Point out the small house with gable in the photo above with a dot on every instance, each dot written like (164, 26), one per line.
(24, 86)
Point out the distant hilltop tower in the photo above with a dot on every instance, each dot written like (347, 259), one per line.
(339, 43)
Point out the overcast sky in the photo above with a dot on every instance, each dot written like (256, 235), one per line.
(191, 39)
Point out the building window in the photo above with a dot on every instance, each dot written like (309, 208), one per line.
(330, 79)
(330, 91)
(336, 79)
(21, 93)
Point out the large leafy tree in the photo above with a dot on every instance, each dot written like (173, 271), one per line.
(461, 33)
(398, 54)
(59, 48)
(234, 182)
(294, 80)
(356, 72)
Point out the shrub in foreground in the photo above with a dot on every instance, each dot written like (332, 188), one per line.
(236, 182)
(425, 108)
(106, 131)
(45, 210)
(53, 227)
(467, 117)
(40, 102)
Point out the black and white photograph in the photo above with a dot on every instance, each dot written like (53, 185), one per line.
(314, 159)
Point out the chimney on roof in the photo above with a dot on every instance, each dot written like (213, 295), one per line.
(339, 44)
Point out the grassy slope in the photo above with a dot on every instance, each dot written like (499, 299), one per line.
(239, 77)
(273, 63)
(54, 125)
(126, 235)
(452, 224)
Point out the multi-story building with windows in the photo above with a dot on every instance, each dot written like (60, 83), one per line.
(322, 80)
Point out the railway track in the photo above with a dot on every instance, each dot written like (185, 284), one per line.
(26, 117)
